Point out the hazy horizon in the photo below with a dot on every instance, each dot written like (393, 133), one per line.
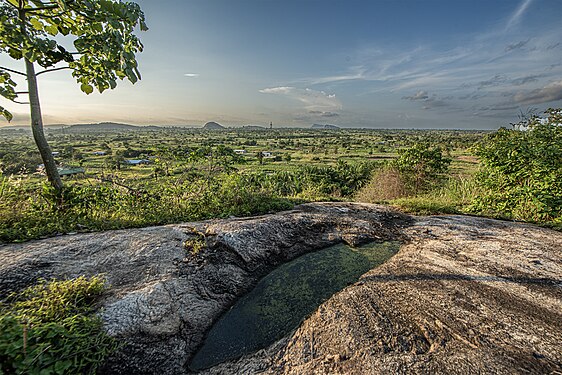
(356, 64)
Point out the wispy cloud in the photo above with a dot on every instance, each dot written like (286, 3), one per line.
(517, 14)
(427, 101)
(420, 95)
(518, 45)
(192, 75)
(324, 114)
(312, 99)
(496, 80)
(548, 93)
(526, 79)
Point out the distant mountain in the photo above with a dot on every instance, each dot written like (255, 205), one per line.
(325, 127)
(109, 126)
(213, 126)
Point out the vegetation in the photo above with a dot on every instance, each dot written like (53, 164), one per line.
(191, 174)
(521, 175)
(418, 169)
(49, 329)
(187, 174)
(102, 34)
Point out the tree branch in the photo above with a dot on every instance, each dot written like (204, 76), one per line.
(21, 92)
(13, 71)
(52, 70)
(15, 101)
(31, 10)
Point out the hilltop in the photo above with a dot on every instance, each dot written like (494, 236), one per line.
(325, 127)
(110, 126)
(213, 126)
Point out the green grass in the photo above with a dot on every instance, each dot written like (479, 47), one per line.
(50, 328)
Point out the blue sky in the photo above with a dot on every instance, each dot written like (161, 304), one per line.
(381, 64)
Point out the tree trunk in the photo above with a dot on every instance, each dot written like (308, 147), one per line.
(37, 121)
(37, 129)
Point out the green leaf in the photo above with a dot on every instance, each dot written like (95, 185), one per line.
(86, 88)
(52, 29)
(36, 24)
(6, 114)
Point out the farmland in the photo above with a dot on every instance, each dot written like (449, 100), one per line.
(150, 176)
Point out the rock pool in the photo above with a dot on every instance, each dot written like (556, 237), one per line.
(286, 296)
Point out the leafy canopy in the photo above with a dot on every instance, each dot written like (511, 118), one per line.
(421, 166)
(101, 31)
(521, 172)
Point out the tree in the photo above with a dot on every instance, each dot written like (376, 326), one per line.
(102, 32)
(421, 166)
(521, 172)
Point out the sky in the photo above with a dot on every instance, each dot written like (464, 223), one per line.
(456, 64)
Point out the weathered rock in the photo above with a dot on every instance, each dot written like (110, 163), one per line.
(465, 295)
(163, 299)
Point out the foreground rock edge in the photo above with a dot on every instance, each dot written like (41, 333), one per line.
(163, 299)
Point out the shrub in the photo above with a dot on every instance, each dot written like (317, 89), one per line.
(521, 174)
(421, 167)
(416, 170)
(50, 329)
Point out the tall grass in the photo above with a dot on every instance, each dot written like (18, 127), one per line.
(30, 211)
(454, 196)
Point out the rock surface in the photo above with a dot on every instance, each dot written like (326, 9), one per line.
(163, 299)
(463, 295)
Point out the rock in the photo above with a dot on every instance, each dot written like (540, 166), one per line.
(162, 298)
(463, 295)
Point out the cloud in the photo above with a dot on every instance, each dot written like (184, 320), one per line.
(420, 95)
(496, 80)
(434, 102)
(518, 14)
(428, 102)
(324, 114)
(518, 45)
(191, 75)
(312, 99)
(552, 46)
(548, 93)
(526, 79)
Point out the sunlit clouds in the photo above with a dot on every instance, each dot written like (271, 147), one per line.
(311, 99)
(353, 63)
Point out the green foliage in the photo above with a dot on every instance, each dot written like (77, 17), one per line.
(422, 167)
(27, 212)
(7, 90)
(195, 245)
(521, 175)
(14, 163)
(102, 33)
(49, 328)
(195, 175)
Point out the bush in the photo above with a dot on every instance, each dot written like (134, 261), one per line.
(50, 329)
(521, 174)
(416, 170)
(421, 167)
(28, 211)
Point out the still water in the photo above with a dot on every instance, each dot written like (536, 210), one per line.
(285, 297)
